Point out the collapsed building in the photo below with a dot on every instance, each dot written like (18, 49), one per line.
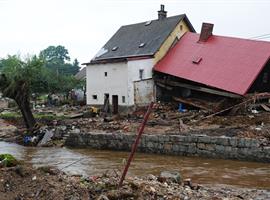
(206, 70)
(166, 60)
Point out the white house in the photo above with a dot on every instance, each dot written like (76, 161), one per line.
(121, 72)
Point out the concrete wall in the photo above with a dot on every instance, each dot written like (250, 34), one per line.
(191, 145)
(176, 33)
(143, 92)
(134, 67)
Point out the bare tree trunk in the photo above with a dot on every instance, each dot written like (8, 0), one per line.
(27, 114)
(21, 94)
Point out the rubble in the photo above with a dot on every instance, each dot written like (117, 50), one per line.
(233, 120)
(167, 176)
(7, 131)
(24, 182)
(150, 187)
(46, 138)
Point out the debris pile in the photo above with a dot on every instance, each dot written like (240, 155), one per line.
(162, 187)
(23, 182)
(248, 117)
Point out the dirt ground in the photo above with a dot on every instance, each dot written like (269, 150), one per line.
(25, 183)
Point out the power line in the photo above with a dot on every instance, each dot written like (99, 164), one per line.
(264, 39)
(259, 36)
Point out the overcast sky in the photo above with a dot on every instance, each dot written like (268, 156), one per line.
(84, 26)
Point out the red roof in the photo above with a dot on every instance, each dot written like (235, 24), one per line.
(226, 63)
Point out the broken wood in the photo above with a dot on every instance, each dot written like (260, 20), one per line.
(197, 88)
(265, 107)
(73, 116)
(195, 103)
(182, 126)
(135, 144)
(159, 122)
(164, 86)
(227, 109)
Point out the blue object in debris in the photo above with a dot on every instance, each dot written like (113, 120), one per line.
(27, 139)
(181, 108)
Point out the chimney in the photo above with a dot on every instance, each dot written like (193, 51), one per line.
(162, 14)
(206, 32)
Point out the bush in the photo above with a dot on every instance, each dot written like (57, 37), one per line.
(7, 160)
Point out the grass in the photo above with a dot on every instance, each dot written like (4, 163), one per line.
(38, 116)
(10, 115)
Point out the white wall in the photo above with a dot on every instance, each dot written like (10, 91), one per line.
(119, 81)
(116, 82)
(134, 67)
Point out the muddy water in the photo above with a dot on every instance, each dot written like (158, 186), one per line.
(92, 162)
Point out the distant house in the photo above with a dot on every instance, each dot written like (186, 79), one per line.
(218, 65)
(81, 75)
(121, 72)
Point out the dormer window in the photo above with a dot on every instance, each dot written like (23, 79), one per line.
(142, 45)
(115, 48)
(148, 23)
(197, 60)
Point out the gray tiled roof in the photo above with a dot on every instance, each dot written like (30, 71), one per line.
(128, 38)
(81, 74)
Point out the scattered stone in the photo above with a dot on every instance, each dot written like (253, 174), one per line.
(46, 139)
(187, 182)
(170, 176)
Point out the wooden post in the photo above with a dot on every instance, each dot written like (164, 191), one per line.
(135, 144)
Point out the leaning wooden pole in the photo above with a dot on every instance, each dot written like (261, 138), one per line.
(135, 144)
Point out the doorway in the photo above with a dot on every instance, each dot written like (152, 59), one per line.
(106, 105)
(115, 103)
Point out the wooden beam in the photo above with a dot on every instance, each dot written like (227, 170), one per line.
(164, 86)
(197, 88)
(193, 103)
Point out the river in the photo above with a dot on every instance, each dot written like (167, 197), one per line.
(90, 162)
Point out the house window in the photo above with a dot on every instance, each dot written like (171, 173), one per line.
(94, 97)
(123, 99)
(105, 74)
(141, 73)
(265, 77)
(181, 27)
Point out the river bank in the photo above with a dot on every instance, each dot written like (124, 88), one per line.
(25, 182)
(188, 144)
(90, 162)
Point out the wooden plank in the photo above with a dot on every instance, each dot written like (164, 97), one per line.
(193, 103)
(265, 107)
(164, 86)
(198, 88)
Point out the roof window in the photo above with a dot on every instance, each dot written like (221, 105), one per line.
(142, 45)
(148, 23)
(197, 60)
(115, 48)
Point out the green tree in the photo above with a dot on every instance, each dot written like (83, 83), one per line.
(55, 54)
(57, 59)
(76, 66)
(18, 80)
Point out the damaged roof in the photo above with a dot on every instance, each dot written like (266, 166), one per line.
(141, 39)
(226, 63)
